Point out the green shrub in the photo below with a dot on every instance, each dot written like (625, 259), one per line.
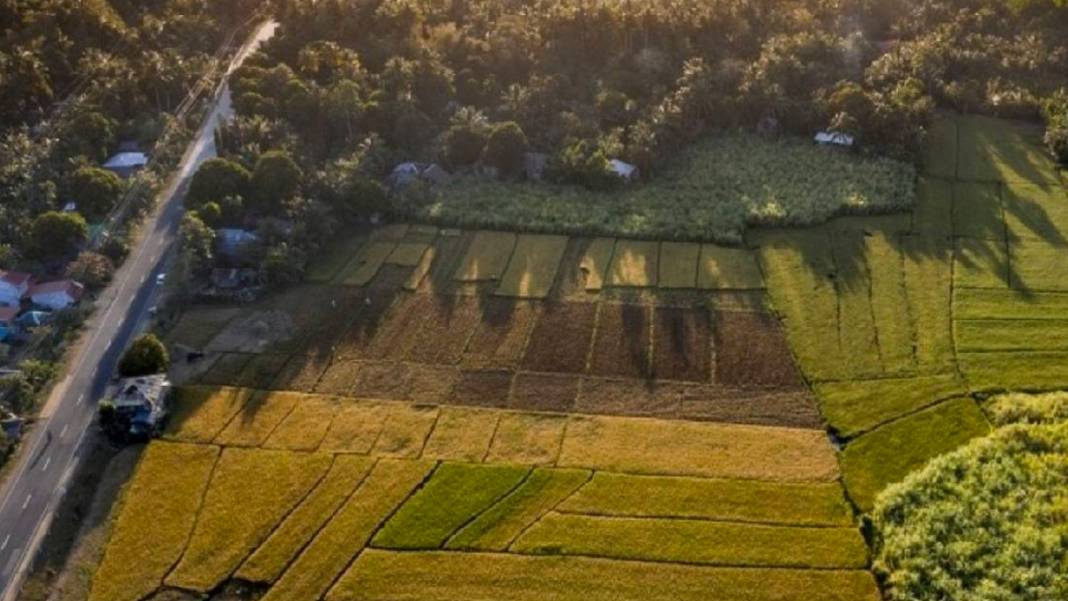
(275, 180)
(95, 190)
(146, 355)
(216, 179)
(54, 234)
(506, 149)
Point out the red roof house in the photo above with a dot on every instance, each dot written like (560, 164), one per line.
(56, 295)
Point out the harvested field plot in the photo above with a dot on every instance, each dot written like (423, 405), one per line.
(751, 350)
(300, 373)
(355, 428)
(365, 265)
(304, 428)
(201, 412)
(158, 513)
(723, 268)
(383, 380)
(634, 264)
(621, 346)
(682, 344)
(501, 335)
(405, 430)
(594, 262)
(532, 270)
(446, 327)
(527, 438)
(431, 383)
(794, 408)
(487, 256)
(368, 316)
(258, 418)
(630, 397)
(678, 264)
(461, 434)
(483, 388)
(437, 576)
(544, 392)
(561, 338)
(339, 378)
(399, 330)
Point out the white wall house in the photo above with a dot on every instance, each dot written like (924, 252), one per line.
(57, 295)
(13, 286)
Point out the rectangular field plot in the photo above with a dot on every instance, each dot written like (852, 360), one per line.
(887, 454)
(405, 430)
(447, 325)
(889, 301)
(544, 392)
(532, 270)
(751, 350)
(299, 527)
(619, 495)
(857, 333)
(561, 338)
(999, 150)
(594, 262)
(258, 419)
(852, 407)
(1038, 265)
(455, 493)
(933, 214)
(634, 264)
(486, 257)
(621, 345)
(198, 326)
(678, 264)
(723, 268)
(304, 428)
(682, 344)
(501, 335)
(977, 211)
(365, 265)
(527, 438)
(977, 335)
(419, 273)
(497, 527)
(980, 264)
(199, 413)
(969, 303)
(438, 576)
(1015, 370)
(940, 151)
(695, 542)
(461, 434)
(1038, 211)
(325, 267)
(227, 369)
(355, 428)
(159, 510)
(928, 283)
(644, 446)
(251, 491)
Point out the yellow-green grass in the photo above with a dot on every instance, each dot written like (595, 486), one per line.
(390, 482)
(889, 301)
(405, 430)
(418, 274)
(443, 576)
(1000, 150)
(595, 260)
(199, 325)
(977, 211)
(678, 264)
(268, 562)
(1039, 265)
(258, 418)
(497, 527)
(325, 268)
(1037, 211)
(199, 413)
(886, 455)
(621, 495)
(365, 265)
(158, 511)
(250, 492)
(928, 283)
(940, 151)
(486, 257)
(461, 434)
(634, 264)
(695, 542)
(355, 428)
(977, 335)
(856, 406)
(980, 264)
(971, 303)
(304, 428)
(646, 446)
(527, 438)
(407, 254)
(933, 214)
(455, 494)
(798, 266)
(532, 270)
(1015, 370)
(723, 268)
(857, 334)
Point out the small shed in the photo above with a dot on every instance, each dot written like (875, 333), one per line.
(834, 138)
(628, 172)
(125, 164)
(406, 173)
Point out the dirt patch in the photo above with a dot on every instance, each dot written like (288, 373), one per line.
(227, 369)
(199, 325)
(621, 346)
(682, 344)
(300, 373)
(397, 334)
(261, 371)
(368, 316)
(630, 397)
(501, 335)
(339, 378)
(791, 408)
(444, 333)
(383, 380)
(432, 384)
(561, 338)
(390, 279)
(482, 388)
(255, 333)
(751, 350)
(544, 392)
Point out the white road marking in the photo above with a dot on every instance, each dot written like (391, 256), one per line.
(64, 430)
(4, 544)
(48, 460)
(81, 398)
(27, 501)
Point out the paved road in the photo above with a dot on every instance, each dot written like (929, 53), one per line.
(37, 483)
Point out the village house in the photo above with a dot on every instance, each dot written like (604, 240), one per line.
(232, 241)
(125, 164)
(13, 286)
(141, 403)
(8, 323)
(56, 295)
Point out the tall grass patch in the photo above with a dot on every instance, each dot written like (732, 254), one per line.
(532, 269)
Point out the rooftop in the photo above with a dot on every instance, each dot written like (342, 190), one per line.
(127, 159)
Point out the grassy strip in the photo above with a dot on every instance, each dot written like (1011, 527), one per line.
(678, 264)
(258, 418)
(634, 264)
(325, 558)
(619, 495)
(418, 274)
(856, 406)
(1015, 370)
(271, 558)
(159, 509)
(325, 268)
(355, 427)
(461, 434)
(365, 265)
(201, 412)
(980, 264)
(1039, 265)
(198, 326)
(933, 214)
(856, 323)
(1000, 150)
(532, 270)
(251, 491)
(928, 283)
(977, 211)
(595, 260)
(527, 438)
(889, 301)
(497, 527)
(798, 266)
(304, 428)
(940, 152)
(888, 454)
(695, 541)
(455, 493)
(1006, 335)
(698, 449)
(408, 254)
(970, 303)
(1036, 211)
(486, 257)
(723, 268)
